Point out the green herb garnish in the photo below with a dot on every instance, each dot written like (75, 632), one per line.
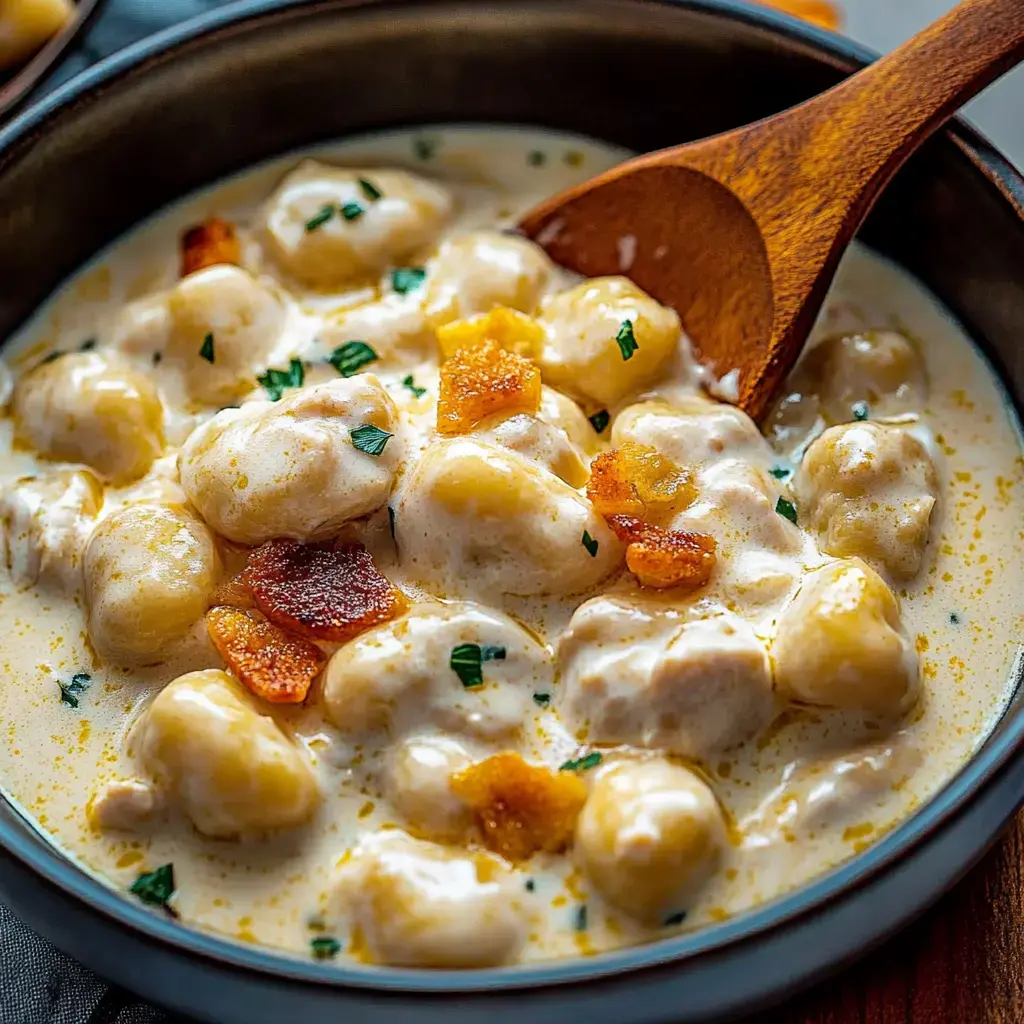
(590, 544)
(536, 158)
(530, 885)
(674, 919)
(626, 340)
(51, 356)
(324, 947)
(780, 472)
(573, 158)
(206, 352)
(581, 764)
(407, 279)
(275, 381)
(542, 699)
(351, 357)
(786, 509)
(370, 439)
(158, 358)
(88, 345)
(370, 190)
(325, 214)
(954, 619)
(599, 421)
(861, 410)
(69, 691)
(467, 660)
(580, 919)
(391, 521)
(424, 148)
(156, 887)
(411, 385)
(353, 211)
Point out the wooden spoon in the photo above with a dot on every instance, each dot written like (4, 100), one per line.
(741, 233)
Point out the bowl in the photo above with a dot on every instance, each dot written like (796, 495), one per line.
(255, 79)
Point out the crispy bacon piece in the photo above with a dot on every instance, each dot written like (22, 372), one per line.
(479, 382)
(637, 480)
(665, 558)
(521, 808)
(511, 330)
(207, 244)
(320, 592)
(272, 664)
(234, 593)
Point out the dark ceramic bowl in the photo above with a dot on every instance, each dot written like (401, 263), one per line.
(258, 78)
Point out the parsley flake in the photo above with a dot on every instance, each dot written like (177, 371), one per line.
(370, 439)
(626, 340)
(370, 190)
(88, 345)
(324, 947)
(580, 918)
(786, 509)
(424, 147)
(536, 158)
(351, 357)
(599, 421)
(156, 887)
(861, 410)
(590, 544)
(581, 764)
(325, 214)
(530, 885)
(158, 358)
(206, 352)
(69, 692)
(408, 382)
(674, 919)
(573, 158)
(467, 660)
(954, 619)
(353, 211)
(275, 381)
(542, 699)
(780, 472)
(391, 521)
(407, 279)
(49, 357)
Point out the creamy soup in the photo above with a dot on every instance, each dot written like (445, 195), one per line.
(375, 589)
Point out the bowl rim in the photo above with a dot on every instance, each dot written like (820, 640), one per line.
(32, 848)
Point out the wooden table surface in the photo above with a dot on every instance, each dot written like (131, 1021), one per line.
(961, 963)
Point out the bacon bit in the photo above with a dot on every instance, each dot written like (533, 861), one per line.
(479, 382)
(665, 558)
(508, 328)
(637, 480)
(272, 664)
(521, 808)
(320, 592)
(207, 244)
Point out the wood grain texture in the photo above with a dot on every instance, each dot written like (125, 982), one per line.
(741, 233)
(962, 963)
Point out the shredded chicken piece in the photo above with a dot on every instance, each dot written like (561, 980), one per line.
(207, 244)
(272, 664)
(665, 558)
(123, 805)
(521, 809)
(637, 480)
(479, 382)
(321, 592)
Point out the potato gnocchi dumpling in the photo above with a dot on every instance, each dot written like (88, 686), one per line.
(225, 326)
(149, 570)
(327, 229)
(46, 522)
(869, 489)
(419, 784)
(417, 904)
(481, 270)
(401, 677)
(91, 408)
(222, 760)
(650, 836)
(393, 327)
(605, 339)
(474, 518)
(636, 674)
(292, 468)
(840, 643)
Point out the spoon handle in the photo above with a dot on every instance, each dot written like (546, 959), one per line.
(887, 110)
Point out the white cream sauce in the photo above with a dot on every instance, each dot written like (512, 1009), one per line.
(804, 788)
